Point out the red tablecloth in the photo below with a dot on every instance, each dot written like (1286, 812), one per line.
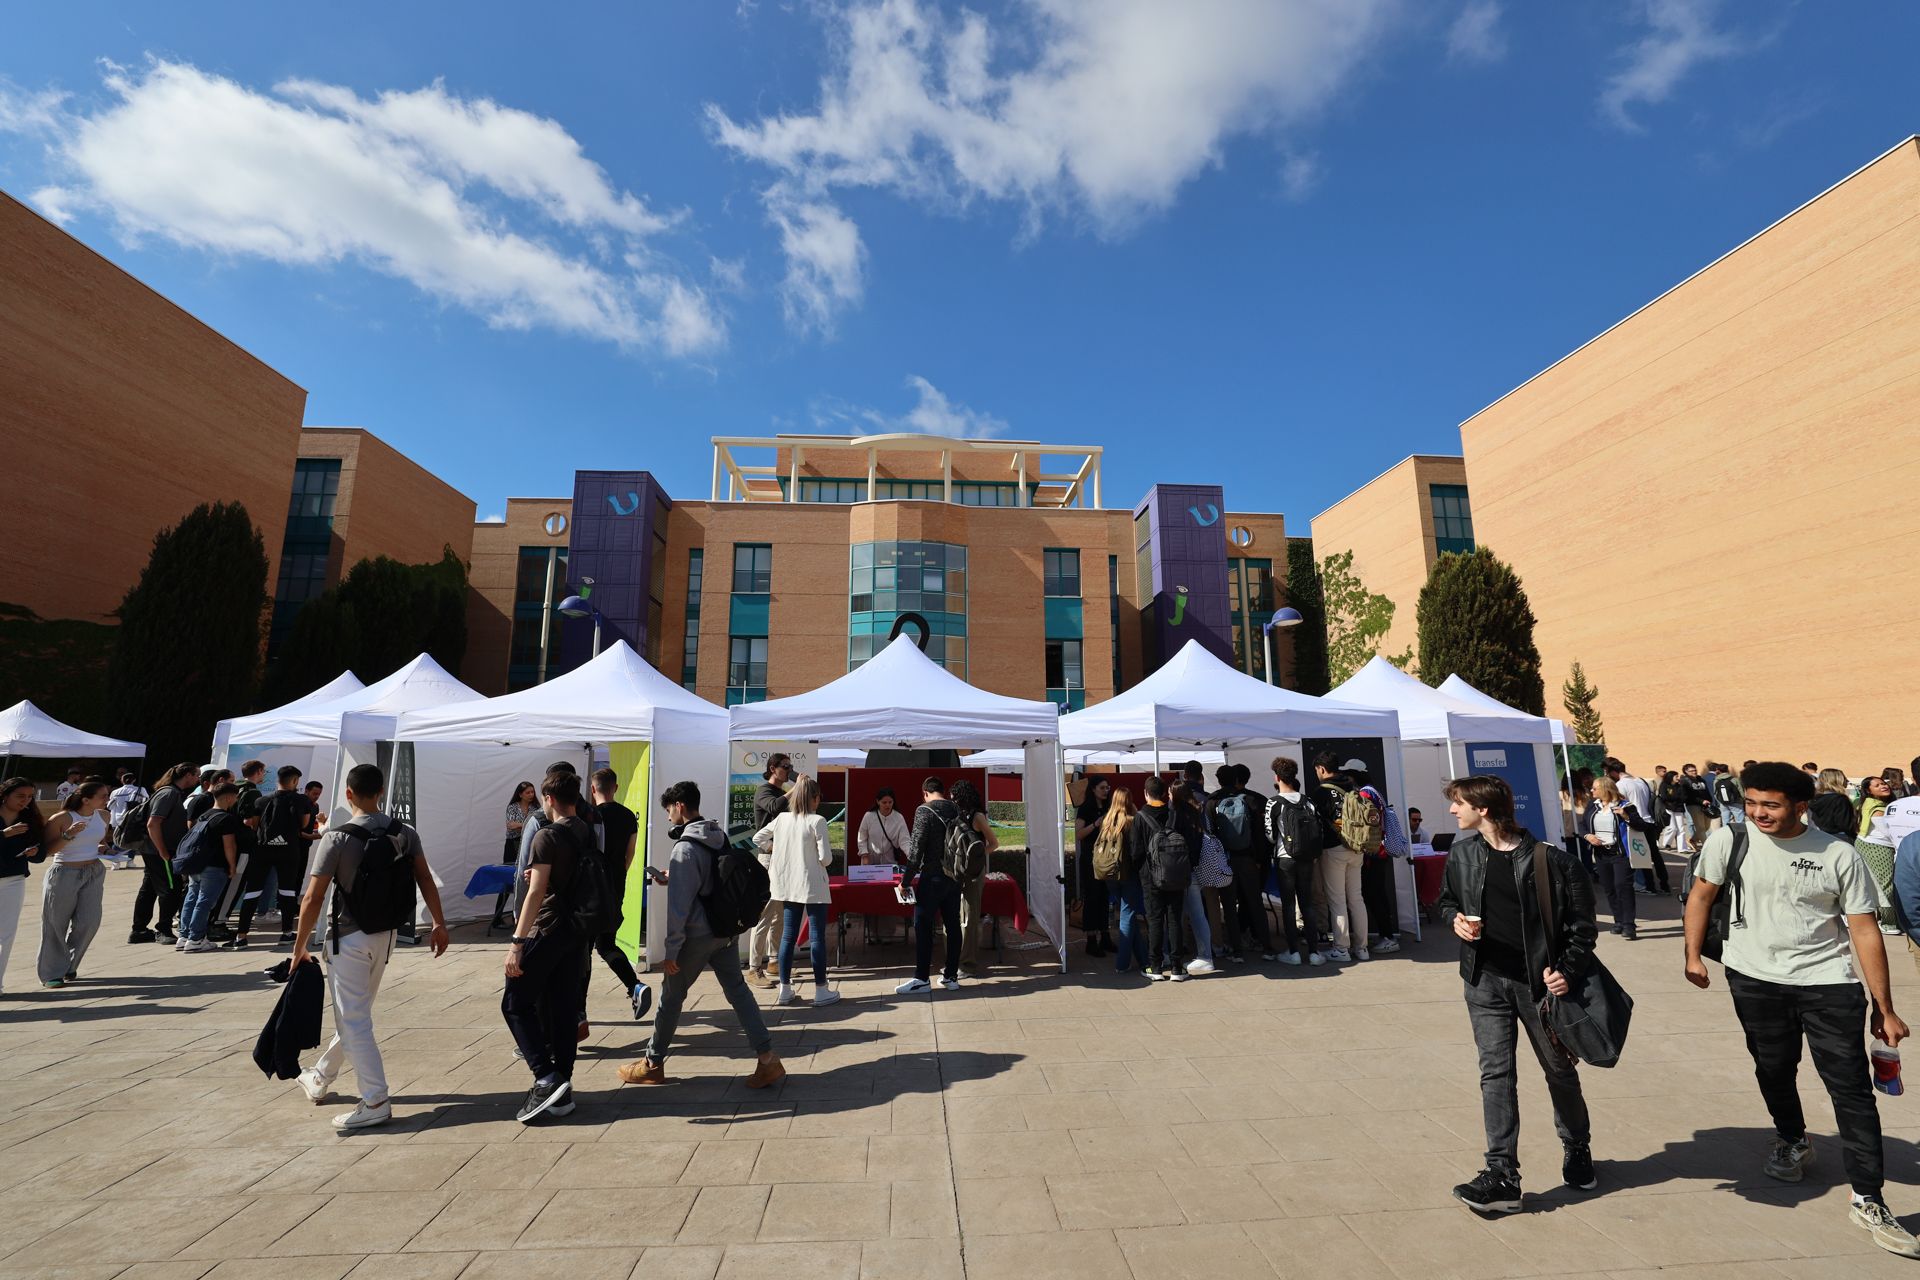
(1428, 873)
(1001, 897)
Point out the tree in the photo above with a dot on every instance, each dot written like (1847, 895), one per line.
(1357, 619)
(187, 650)
(380, 617)
(1578, 697)
(1310, 637)
(1474, 621)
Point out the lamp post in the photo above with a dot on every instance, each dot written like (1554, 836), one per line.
(581, 607)
(1284, 618)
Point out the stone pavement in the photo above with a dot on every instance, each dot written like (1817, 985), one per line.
(1263, 1122)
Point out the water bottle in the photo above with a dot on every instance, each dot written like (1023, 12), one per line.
(1886, 1070)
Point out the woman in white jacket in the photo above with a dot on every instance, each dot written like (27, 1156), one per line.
(802, 852)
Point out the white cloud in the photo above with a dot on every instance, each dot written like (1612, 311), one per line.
(478, 205)
(498, 517)
(1102, 109)
(1476, 34)
(933, 413)
(1300, 173)
(22, 111)
(1680, 36)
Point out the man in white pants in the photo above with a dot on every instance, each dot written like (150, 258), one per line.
(357, 958)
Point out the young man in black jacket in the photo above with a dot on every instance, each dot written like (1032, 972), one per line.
(1510, 959)
(1165, 901)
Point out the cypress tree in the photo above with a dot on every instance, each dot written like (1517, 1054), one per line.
(1474, 620)
(1310, 637)
(381, 616)
(187, 650)
(1578, 696)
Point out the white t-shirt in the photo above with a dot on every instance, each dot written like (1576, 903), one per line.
(1903, 819)
(1635, 792)
(1795, 895)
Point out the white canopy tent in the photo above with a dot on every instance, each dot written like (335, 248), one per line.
(617, 698)
(338, 687)
(26, 730)
(900, 698)
(1080, 758)
(1196, 701)
(1562, 736)
(1444, 737)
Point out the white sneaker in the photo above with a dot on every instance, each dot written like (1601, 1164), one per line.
(1387, 945)
(1315, 959)
(786, 994)
(363, 1117)
(1289, 958)
(1176, 975)
(825, 995)
(949, 984)
(199, 945)
(1363, 954)
(182, 943)
(1200, 967)
(1339, 955)
(314, 1087)
(913, 987)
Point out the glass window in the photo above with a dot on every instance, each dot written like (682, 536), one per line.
(927, 578)
(1113, 615)
(1063, 665)
(752, 569)
(746, 669)
(1452, 518)
(1062, 572)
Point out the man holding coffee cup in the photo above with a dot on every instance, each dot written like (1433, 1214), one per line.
(1510, 959)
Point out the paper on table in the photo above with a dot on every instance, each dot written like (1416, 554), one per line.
(876, 874)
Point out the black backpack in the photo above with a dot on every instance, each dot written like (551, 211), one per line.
(589, 896)
(1726, 791)
(963, 858)
(1728, 911)
(1300, 829)
(1169, 858)
(381, 897)
(282, 819)
(1233, 822)
(132, 831)
(198, 848)
(740, 892)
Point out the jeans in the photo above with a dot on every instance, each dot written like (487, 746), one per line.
(1832, 1018)
(205, 891)
(1494, 1006)
(160, 889)
(1346, 905)
(1294, 879)
(722, 955)
(1132, 952)
(1196, 905)
(935, 898)
(354, 969)
(542, 1005)
(1245, 901)
(69, 915)
(1382, 896)
(1732, 815)
(816, 917)
(1163, 927)
(1616, 877)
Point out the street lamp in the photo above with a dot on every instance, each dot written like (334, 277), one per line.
(1284, 618)
(581, 607)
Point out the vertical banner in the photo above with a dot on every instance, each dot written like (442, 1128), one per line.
(749, 763)
(632, 762)
(1513, 763)
(396, 762)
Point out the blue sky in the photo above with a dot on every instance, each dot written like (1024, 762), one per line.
(1277, 244)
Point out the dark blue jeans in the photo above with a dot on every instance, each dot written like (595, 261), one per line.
(1132, 952)
(816, 916)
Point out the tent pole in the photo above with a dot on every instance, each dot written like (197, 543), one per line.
(1060, 772)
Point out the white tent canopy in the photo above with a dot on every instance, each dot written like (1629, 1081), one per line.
(26, 730)
(338, 687)
(1428, 715)
(364, 714)
(900, 698)
(1080, 758)
(1454, 687)
(1196, 700)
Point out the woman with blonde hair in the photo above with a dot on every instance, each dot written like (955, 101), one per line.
(1832, 810)
(1109, 863)
(801, 853)
(1607, 834)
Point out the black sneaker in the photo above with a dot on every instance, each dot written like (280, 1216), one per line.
(541, 1098)
(139, 936)
(236, 943)
(1576, 1167)
(286, 937)
(642, 997)
(1489, 1192)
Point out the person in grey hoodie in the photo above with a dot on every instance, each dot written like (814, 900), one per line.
(691, 946)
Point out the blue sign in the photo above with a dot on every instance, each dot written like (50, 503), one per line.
(1512, 763)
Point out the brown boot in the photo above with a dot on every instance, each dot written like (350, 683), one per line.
(762, 979)
(645, 1071)
(767, 1074)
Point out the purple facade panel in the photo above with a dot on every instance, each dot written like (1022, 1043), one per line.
(1188, 537)
(615, 516)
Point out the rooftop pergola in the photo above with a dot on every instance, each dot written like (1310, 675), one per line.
(734, 481)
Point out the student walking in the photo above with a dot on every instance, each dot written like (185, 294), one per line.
(70, 896)
(1607, 837)
(547, 955)
(374, 864)
(1510, 959)
(21, 831)
(1800, 899)
(162, 891)
(694, 883)
(801, 853)
(619, 843)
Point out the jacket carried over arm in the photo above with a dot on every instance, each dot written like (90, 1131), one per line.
(1564, 943)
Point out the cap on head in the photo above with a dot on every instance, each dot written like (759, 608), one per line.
(1355, 766)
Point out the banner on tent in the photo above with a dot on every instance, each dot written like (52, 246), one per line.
(748, 765)
(631, 762)
(1513, 764)
(396, 762)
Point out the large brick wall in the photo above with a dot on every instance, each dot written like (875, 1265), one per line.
(388, 505)
(1388, 525)
(121, 413)
(490, 577)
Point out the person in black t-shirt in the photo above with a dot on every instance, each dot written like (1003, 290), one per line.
(619, 840)
(289, 824)
(547, 953)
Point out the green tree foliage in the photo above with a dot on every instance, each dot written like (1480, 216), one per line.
(58, 664)
(1309, 639)
(381, 616)
(1474, 620)
(1578, 696)
(187, 650)
(1357, 619)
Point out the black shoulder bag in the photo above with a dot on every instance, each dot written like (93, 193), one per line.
(1589, 1023)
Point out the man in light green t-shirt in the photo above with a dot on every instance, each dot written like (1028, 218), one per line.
(1800, 898)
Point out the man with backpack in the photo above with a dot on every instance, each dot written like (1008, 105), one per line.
(936, 895)
(374, 865)
(1166, 840)
(1350, 827)
(1797, 900)
(1294, 831)
(1238, 816)
(288, 829)
(1727, 797)
(1377, 884)
(714, 893)
(164, 821)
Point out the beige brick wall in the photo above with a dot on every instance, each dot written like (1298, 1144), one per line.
(1711, 504)
(1388, 525)
(388, 504)
(123, 413)
(492, 569)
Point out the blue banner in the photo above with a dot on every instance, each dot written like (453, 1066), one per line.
(1512, 763)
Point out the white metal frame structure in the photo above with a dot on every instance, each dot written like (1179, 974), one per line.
(734, 481)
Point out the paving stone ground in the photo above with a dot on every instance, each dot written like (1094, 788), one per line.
(1267, 1121)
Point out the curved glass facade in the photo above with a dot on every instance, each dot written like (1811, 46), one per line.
(887, 579)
